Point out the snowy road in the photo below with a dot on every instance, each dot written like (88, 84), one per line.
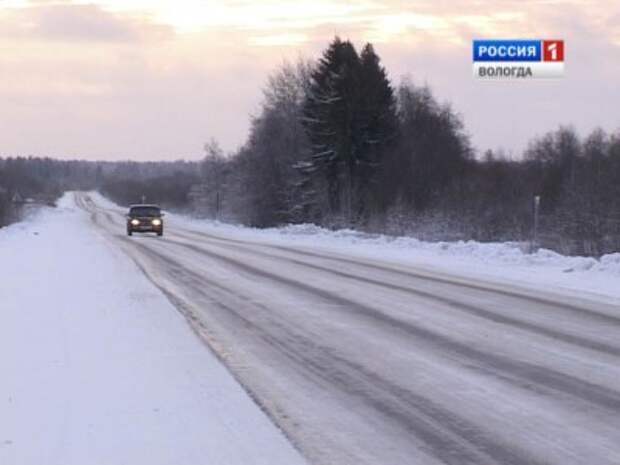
(366, 362)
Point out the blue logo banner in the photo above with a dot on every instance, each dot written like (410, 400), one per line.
(507, 50)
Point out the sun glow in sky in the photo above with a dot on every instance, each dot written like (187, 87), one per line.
(154, 79)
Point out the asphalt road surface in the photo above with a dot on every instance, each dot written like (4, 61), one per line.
(365, 362)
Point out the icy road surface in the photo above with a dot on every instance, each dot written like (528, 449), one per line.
(98, 368)
(362, 361)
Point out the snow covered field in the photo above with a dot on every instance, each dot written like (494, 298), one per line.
(98, 368)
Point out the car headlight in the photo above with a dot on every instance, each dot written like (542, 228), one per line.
(156, 222)
(135, 222)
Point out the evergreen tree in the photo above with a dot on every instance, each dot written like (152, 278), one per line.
(331, 119)
(378, 123)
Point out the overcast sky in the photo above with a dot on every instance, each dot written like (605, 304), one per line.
(155, 79)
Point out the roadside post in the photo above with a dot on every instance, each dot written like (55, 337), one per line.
(536, 218)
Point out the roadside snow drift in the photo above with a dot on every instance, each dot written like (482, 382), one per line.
(98, 367)
(504, 262)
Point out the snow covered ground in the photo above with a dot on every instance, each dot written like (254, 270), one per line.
(496, 261)
(97, 367)
(500, 262)
(370, 350)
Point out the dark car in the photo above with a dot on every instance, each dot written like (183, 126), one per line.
(145, 218)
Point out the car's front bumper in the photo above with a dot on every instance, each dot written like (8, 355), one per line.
(145, 226)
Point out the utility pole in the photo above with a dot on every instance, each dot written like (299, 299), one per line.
(536, 215)
(143, 199)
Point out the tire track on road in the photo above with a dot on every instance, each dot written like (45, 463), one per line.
(452, 439)
(557, 306)
(523, 374)
(461, 306)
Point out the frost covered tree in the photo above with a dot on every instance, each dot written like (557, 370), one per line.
(349, 116)
(431, 151)
(378, 124)
(263, 187)
(207, 195)
(331, 119)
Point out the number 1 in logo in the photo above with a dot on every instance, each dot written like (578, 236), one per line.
(553, 50)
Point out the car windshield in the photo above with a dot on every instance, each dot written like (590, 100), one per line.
(145, 211)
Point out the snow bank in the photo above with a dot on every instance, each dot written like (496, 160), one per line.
(99, 368)
(501, 262)
(510, 253)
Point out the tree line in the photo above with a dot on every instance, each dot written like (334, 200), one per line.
(166, 183)
(336, 143)
(44, 180)
(39, 179)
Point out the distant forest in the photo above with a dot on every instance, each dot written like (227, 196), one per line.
(337, 144)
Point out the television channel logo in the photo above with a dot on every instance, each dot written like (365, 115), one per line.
(518, 59)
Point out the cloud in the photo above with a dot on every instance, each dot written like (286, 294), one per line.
(156, 78)
(68, 22)
(287, 39)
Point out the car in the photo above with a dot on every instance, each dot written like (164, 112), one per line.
(145, 218)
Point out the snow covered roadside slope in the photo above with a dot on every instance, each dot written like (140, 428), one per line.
(491, 262)
(98, 368)
(503, 263)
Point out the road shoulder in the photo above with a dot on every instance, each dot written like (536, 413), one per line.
(101, 368)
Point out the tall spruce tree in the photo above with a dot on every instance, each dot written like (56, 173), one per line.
(349, 115)
(378, 123)
(331, 120)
